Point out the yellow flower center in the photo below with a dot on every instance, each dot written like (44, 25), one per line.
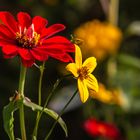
(83, 73)
(27, 42)
(27, 38)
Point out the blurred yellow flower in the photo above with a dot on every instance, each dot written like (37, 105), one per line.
(83, 74)
(114, 96)
(99, 38)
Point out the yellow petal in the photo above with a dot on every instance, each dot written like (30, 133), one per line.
(90, 63)
(92, 83)
(78, 57)
(72, 68)
(83, 90)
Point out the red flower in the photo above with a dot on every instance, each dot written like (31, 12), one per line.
(98, 128)
(31, 40)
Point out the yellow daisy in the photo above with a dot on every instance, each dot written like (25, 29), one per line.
(83, 74)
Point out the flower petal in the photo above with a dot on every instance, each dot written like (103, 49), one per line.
(83, 90)
(4, 42)
(25, 54)
(78, 57)
(9, 51)
(51, 30)
(6, 33)
(24, 20)
(39, 23)
(56, 51)
(90, 63)
(72, 68)
(27, 63)
(8, 20)
(59, 42)
(39, 54)
(92, 83)
(64, 57)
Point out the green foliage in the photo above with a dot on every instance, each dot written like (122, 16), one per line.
(13, 106)
(8, 118)
(50, 112)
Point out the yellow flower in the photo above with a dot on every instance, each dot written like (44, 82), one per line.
(98, 38)
(83, 74)
(103, 95)
(114, 96)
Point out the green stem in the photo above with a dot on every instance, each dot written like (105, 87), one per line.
(54, 124)
(40, 113)
(40, 82)
(21, 109)
(113, 12)
(42, 67)
(54, 88)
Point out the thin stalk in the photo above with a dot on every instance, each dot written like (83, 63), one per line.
(42, 67)
(113, 12)
(40, 113)
(46, 103)
(54, 124)
(21, 109)
(40, 83)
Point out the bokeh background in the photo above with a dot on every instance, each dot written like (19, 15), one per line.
(117, 49)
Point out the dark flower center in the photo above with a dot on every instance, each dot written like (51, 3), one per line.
(28, 38)
(83, 73)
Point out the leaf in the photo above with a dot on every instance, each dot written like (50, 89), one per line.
(50, 112)
(9, 119)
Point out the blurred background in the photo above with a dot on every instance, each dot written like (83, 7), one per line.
(106, 29)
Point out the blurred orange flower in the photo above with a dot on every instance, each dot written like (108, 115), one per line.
(99, 38)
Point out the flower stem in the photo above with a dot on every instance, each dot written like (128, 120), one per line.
(40, 113)
(42, 67)
(113, 12)
(54, 124)
(40, 82)
(21, 109)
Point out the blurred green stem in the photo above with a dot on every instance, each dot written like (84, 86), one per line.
(54, 124)
(113, 12)
(21, 109)
(42, 67)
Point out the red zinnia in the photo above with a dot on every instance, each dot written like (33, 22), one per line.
(31, 40)
(98, 128)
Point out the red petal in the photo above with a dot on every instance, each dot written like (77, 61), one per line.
(8, 20)
(24, 20)
(4, 42)
(59, 42)
(5, 32)
(64, 57)
(56, 53)
(39, 54)
(27, 63)
(39, 23)
(25, 54)
(10, 50)
(53, 29)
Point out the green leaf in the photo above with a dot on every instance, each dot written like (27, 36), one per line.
(9, 119)
(50, 112)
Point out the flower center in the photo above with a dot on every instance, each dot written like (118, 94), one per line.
(28, 38)
(83, 73)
